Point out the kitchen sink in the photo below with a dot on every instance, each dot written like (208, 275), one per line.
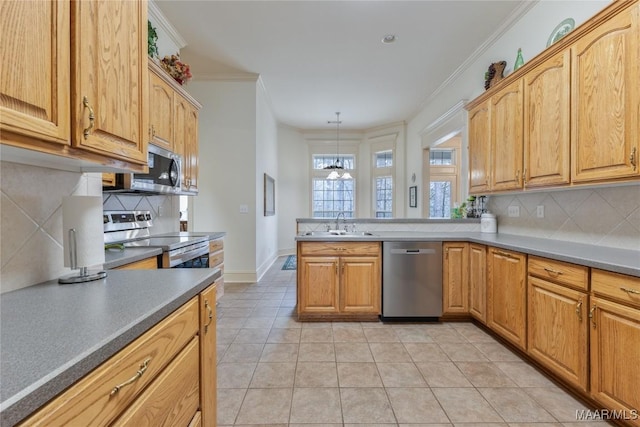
(339, 233)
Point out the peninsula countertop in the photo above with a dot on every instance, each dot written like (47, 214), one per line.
(624, 261)
(52, 335)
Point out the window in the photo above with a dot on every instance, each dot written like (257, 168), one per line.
(332, 196)
(383, 183)
(443, 178)
(441, 157)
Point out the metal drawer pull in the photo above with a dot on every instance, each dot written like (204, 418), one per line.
(630, 291)
(504, 254)
(552, 271)
(92, 117)
(592, 316)
(143, 368)
(209, 315)
(579, 310)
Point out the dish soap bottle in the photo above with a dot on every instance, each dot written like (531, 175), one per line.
(519, 61)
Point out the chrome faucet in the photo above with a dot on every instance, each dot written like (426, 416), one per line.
(338, 219)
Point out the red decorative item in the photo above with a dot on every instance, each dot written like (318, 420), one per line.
(177, 69)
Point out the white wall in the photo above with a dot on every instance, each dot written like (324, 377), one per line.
(227, 135)
(292, 192)
(266, 155)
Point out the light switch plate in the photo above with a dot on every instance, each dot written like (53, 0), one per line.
(514, 211)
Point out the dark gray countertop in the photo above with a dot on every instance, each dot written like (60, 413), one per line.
(623, 261)
(117, 258)
(210, 235)
(52, 335)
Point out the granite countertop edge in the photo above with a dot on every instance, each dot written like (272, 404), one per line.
(19, 406)
(623, 261)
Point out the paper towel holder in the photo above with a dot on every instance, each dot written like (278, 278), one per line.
(83, 275)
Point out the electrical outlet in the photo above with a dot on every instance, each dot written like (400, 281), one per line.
(244, 209)
(160, 210)
(540, 211)
(514, 211)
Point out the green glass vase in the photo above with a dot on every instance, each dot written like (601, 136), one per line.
(519, 61)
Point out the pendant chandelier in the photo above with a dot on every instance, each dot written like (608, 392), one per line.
(337, 169)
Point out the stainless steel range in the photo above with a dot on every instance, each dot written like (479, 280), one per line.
(131, 229)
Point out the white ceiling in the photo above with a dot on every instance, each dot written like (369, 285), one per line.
(319, 57)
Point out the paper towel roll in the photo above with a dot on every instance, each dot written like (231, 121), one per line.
(84, 214)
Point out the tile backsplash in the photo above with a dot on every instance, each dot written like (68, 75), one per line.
(604, 216)
(31, 219)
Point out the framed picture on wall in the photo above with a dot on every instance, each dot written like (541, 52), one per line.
(269, 195)
(413, 196)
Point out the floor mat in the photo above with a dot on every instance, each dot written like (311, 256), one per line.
(290, 263)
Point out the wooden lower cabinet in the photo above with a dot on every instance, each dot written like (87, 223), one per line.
(216, 260)
(143, 264)
(478, 282)
(339, 280)
(455, 278)
(507, 295)
(557, 330)
(164, 377)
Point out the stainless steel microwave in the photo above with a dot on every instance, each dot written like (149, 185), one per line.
(163, 175)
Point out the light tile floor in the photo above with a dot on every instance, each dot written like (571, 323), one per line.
(274, 370)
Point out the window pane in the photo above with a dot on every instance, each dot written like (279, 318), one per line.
(440, 199)
(384, 159)
(441, 157)
(384, 197)
(332, 196)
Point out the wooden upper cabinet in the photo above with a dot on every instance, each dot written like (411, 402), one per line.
(191, 157)
(161, 112)
(479, 142)
(605, 98)
(546, 122)
(110, 81)
(34, 78)
(506, 137)
(180, 113)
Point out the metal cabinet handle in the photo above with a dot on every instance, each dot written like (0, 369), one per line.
(92, 117)
(153, 131)
(505, 254)
(592, 316)
(579, 310)
(518, 176)
(552, 271)
(524, 177)
(632, 158)
(209, 315)
(630, 291)
(142, 370)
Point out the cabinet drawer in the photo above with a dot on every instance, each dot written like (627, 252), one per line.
(91, 402)
(216, 245)
(215, 259)
(143, 264)
(340, 248)
(575, 276)
(617, 286)
(173, 398)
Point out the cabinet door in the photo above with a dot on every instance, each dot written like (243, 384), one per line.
(318, 285)
(478, 282)
(615, 355)
(110, 90)
(360, 290)
(191, 148)
(506, 138)
(605, 98)
(546, 122)
(479, 142)
(507, 295)
(34, 77)
(180, 113)
(456, 278)
(208, 356)
(558, 330)
(161, 112)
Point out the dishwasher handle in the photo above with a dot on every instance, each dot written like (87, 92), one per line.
(413, 251)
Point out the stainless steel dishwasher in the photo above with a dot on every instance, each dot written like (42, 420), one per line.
(411, 280)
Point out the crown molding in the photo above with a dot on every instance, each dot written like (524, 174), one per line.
(158, 17)
(448, 115)
(514, 17)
